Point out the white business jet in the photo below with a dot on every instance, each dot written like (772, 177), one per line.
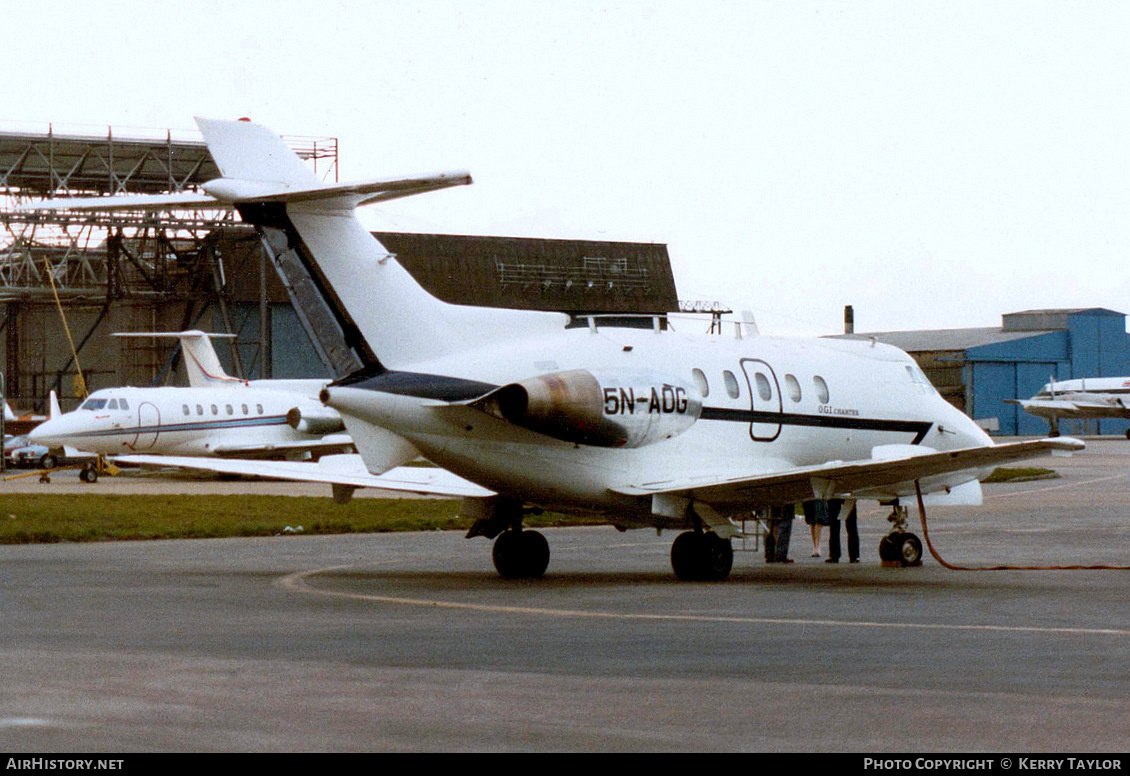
(1086, 398)
(647, 428)
(217, 415)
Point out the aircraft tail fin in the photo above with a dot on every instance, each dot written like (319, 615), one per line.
(53, 410)
(200, 359)
(8, 414)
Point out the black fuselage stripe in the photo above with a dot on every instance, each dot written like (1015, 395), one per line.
(916, 427)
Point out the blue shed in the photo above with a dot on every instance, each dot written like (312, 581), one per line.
(979, 369)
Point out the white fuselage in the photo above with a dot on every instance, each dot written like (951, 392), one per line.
(770, 404)
(176, 421)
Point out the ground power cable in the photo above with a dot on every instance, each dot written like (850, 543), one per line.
(953, 567)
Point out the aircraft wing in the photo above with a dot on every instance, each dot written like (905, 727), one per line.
(1067, 408)
(342, 471)
(871, 478)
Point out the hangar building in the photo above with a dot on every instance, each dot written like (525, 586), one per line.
(977, 370)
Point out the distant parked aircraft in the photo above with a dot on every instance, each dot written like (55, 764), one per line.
(1085, 398)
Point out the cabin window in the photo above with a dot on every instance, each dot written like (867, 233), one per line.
(700, 382)
(764, 389)
(792, 385)
(821, 389)
(123, 404)
(244, 408)
(199, 409)
(229, 409)
(731, 382)
(215, 410)
(259, 408)
(185, 408)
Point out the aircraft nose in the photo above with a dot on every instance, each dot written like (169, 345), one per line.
(48, 432)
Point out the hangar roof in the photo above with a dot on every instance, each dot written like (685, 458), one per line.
(949, 339)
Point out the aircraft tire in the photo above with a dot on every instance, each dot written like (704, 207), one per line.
(48, 461)
(910, 550)
(701, 557)
(902, 547)
(88, 474)
(520, 555)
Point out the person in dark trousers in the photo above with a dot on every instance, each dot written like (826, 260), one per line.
(779, 528)
(835, 506)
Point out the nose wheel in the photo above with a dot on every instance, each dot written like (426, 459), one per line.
(900, 547)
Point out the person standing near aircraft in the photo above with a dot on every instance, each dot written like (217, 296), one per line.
(835, 507)
(779, 529)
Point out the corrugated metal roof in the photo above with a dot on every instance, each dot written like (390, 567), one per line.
(572, 276)
(949, 339)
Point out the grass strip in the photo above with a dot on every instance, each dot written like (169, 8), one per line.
(33, 518)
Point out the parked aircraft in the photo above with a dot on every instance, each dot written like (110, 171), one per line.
(646, 427)
(1085, 398)
(20, 424)
(217, 415)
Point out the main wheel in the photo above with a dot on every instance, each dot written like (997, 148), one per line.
(686, 556)
(48, 461)
(88, 474)
(520, 554)
(701, 557)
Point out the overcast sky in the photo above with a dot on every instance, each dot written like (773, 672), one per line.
(934, 164)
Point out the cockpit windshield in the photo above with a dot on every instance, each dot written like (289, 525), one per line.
(93, 404)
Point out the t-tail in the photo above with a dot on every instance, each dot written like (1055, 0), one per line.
(385, 315)
(200, 360)
(389, 320)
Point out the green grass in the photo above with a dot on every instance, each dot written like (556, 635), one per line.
(34, 518)
(1020, 474)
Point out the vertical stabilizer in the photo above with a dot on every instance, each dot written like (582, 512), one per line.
(53, 410)
(251, 152)
(200, 359)
(8, 414)
(386, 317)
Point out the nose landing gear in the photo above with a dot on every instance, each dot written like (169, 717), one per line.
(900, 547)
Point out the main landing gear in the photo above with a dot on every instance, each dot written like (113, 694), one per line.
(517, 554)
(701, 556)
(900, 547)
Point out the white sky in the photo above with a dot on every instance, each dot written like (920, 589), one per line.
(934, 164)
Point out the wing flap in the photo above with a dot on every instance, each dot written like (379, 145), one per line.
(872, 478)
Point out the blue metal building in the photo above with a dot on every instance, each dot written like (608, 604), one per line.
(979, 369)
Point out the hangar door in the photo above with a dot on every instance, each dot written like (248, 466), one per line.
(994, 382)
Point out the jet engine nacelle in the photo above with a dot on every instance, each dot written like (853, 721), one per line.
(314, 419)
(599, 408)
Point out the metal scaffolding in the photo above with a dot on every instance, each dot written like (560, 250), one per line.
(159, 268)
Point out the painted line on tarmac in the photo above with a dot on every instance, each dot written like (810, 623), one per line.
(298, 583)
(1058, 487)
